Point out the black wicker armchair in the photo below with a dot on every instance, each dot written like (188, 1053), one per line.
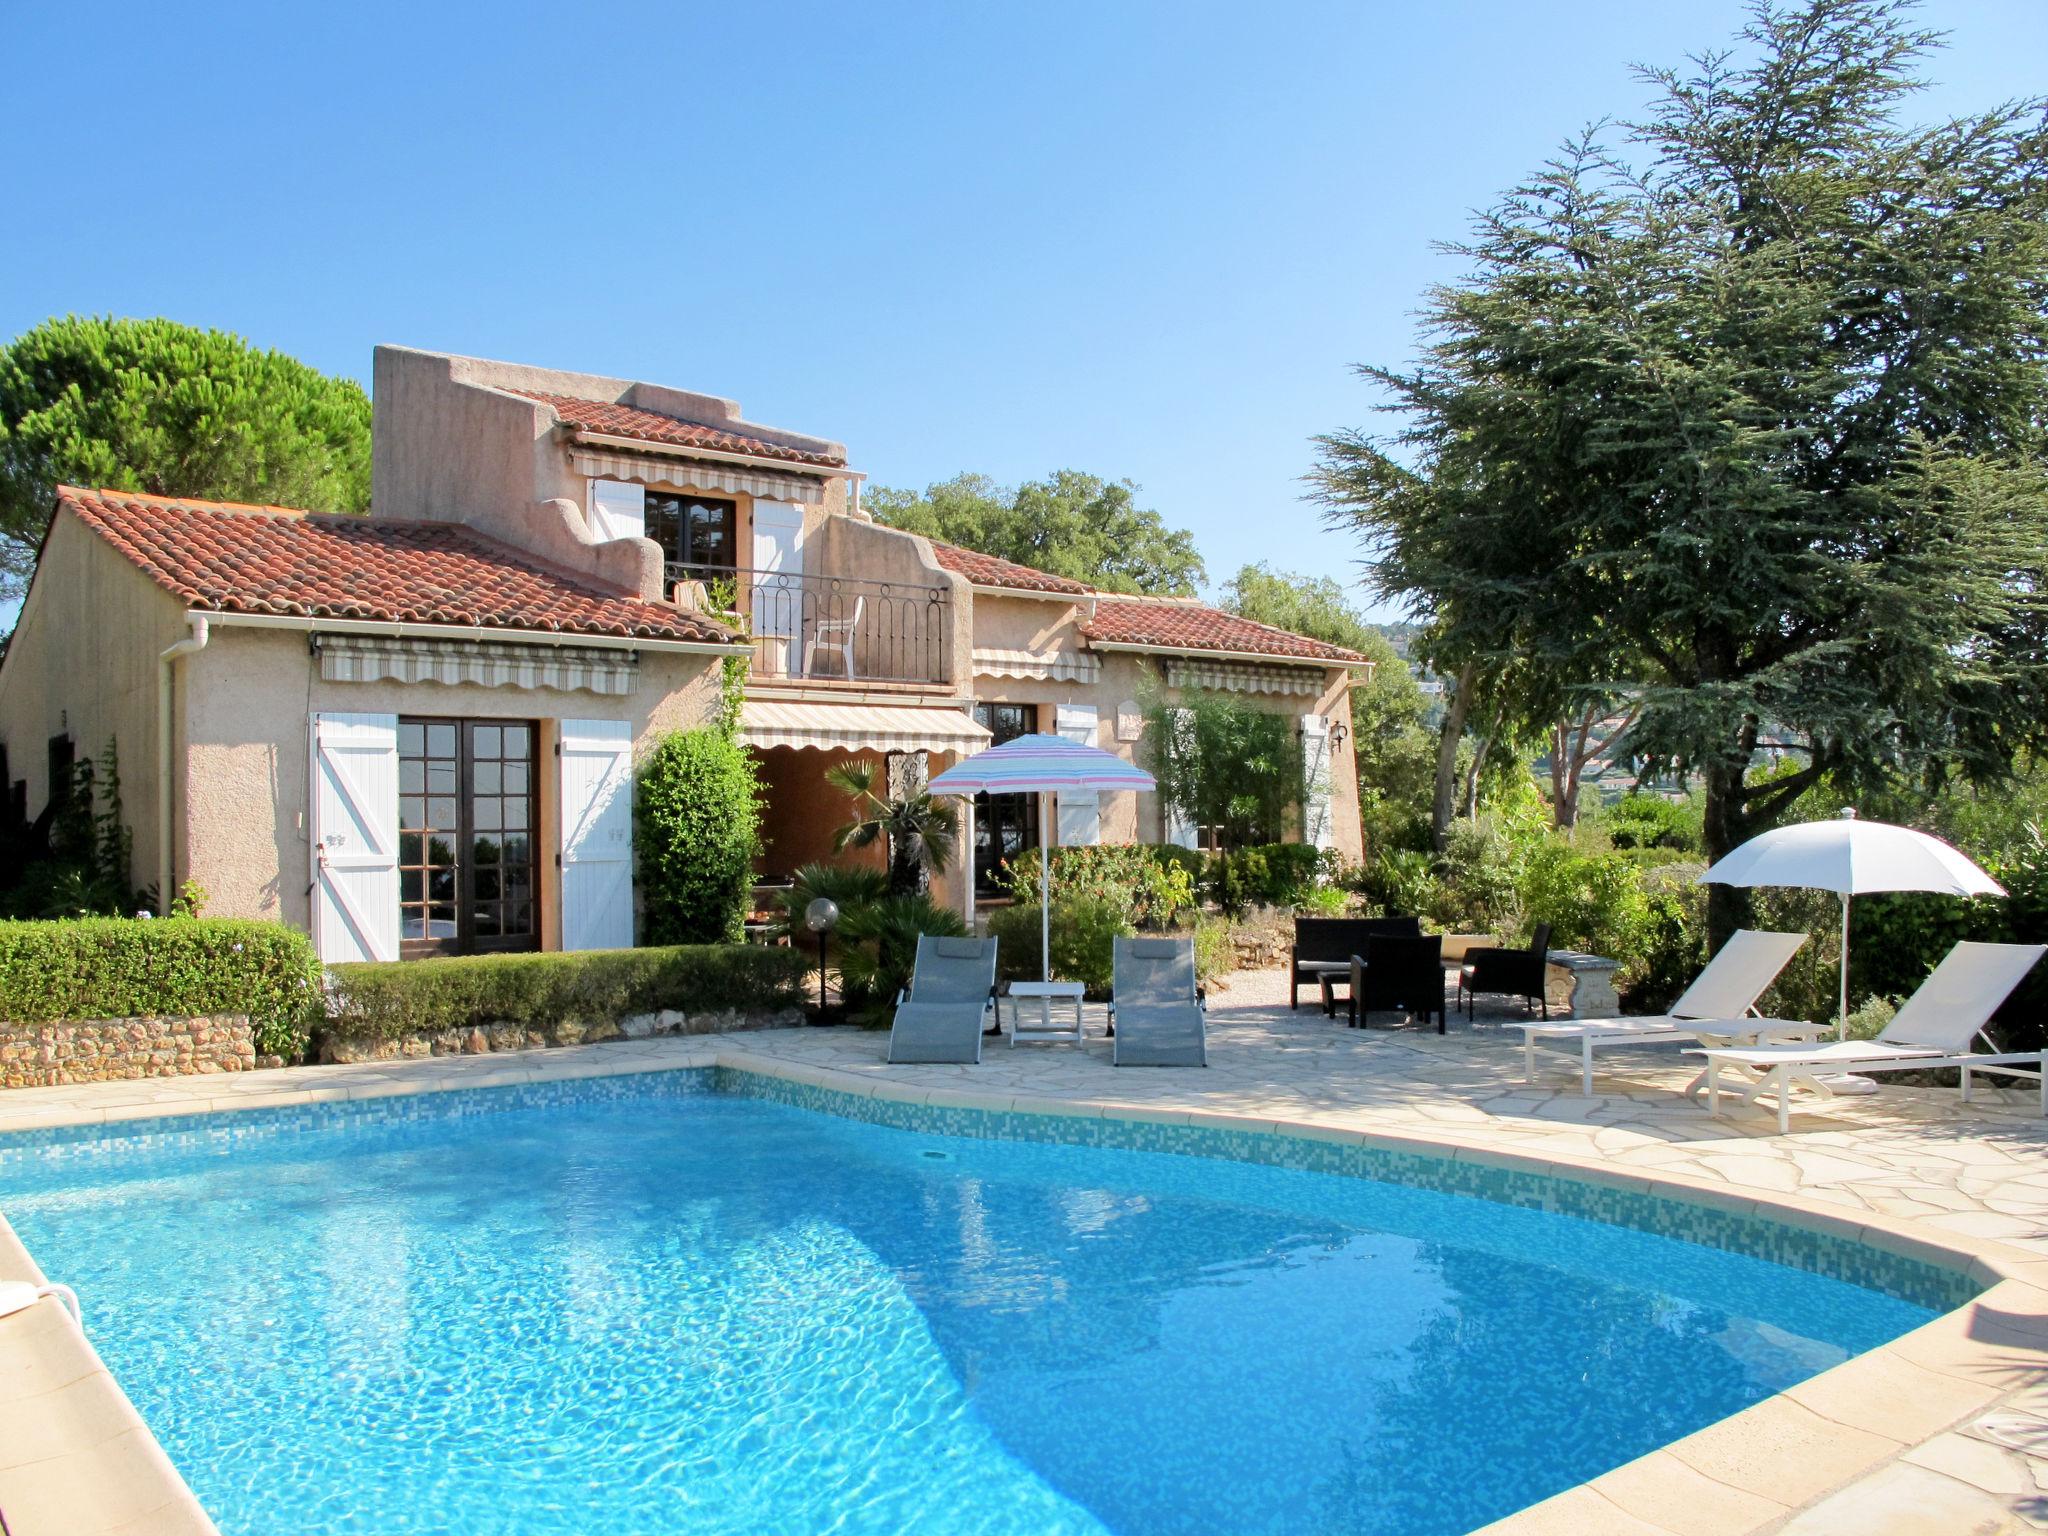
(1507, 972)
(1403, 973)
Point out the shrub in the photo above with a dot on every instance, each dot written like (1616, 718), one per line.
(1324, 901)
(848, 887)
(1651, 821)
(1593, 901)
(380, 1000)
(696, 829)
(1215, 955)
(115, 967)
(1674, 940)
(1153, 883)
(878, 950)
(1084, 931)
(1401, 881)
(1476, 889)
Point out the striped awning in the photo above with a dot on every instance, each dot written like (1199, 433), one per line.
(390, 659)
(859, 727)
(695, 474)
(1062, 666)
(1243, 676)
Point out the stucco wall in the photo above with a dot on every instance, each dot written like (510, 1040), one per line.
(84, 661)
(248, 774)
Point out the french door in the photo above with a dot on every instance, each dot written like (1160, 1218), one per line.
(468, 872)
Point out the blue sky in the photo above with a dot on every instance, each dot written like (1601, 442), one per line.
(1141, 240)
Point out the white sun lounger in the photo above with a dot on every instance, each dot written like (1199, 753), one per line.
(1935, 1027)
(1717, 1008)
(940, 1016)
(1156, 1007)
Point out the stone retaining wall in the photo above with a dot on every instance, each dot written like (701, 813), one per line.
(485, 1038)
(102, 1050)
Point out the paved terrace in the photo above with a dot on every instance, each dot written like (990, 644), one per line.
(1945, 1431)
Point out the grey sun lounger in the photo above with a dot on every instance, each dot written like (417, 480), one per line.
(1156, 1008)
(1937, 1026)
(940, 1016)
(1717, 1009)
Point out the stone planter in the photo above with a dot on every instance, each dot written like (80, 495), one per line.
(109, 1050)
(1580, 986)
(506, 1036)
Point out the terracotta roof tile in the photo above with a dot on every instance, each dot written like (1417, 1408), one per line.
(994, 571)
(1188, 626)
(653, 427)
(228, 558)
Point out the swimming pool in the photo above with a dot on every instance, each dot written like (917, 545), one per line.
(640, 1305)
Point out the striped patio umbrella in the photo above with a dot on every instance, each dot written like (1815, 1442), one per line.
(1039, 765)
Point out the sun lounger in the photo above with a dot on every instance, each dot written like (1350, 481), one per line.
(1935, 1027)
(940, 1016)
(1717, 1008)
(1156, 1011)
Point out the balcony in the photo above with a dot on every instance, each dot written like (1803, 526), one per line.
(829, 629)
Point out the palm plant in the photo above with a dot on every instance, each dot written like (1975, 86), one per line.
(918, 830)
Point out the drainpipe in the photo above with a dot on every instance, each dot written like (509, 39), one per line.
(166, 753)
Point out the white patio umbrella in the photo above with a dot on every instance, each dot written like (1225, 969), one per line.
(1852, 858)
(1039, 765)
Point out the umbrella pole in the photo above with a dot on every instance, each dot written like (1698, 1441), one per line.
(967, 900)
(1045, 883)
(1842, 1018)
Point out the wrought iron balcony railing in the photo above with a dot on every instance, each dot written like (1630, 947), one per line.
(829, 628)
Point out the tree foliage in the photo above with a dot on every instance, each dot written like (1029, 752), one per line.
(1074, 525)
(916, 828)
(1222, 763)
(1747, 411)
(696, 830)
(151, 405)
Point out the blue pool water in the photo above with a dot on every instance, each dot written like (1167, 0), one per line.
(643, 1307)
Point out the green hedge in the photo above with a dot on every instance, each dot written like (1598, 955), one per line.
(383, 1000)
(123, 967)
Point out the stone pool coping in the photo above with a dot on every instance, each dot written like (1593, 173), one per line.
(1848, 1449)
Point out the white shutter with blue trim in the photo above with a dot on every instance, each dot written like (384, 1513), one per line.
(355, 837)
(618, 510)
(597, 834)
(1178, 829)
(1080, 809)
(1315, 802)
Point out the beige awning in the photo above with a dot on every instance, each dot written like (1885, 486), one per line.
(859, 727)
(697, 474)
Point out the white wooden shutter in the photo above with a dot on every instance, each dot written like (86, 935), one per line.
(1315, 802)
(1080, 809)
(618, 510)
(778, 552)
(597, 834)
(355, 837)
(1179, 830)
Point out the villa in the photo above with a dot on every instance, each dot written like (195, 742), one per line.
(413, 733)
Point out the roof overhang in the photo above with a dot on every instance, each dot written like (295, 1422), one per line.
(860, 727)
(306, 624)
(1265, 658)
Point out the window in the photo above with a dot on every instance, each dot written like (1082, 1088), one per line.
(699, 531)
(1004, 825)
(467, 879)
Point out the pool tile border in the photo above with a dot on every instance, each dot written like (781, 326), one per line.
(1728, 1479)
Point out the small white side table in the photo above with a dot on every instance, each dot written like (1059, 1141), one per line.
(1045, 993)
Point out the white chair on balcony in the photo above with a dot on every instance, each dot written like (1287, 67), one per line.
(834, 635)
